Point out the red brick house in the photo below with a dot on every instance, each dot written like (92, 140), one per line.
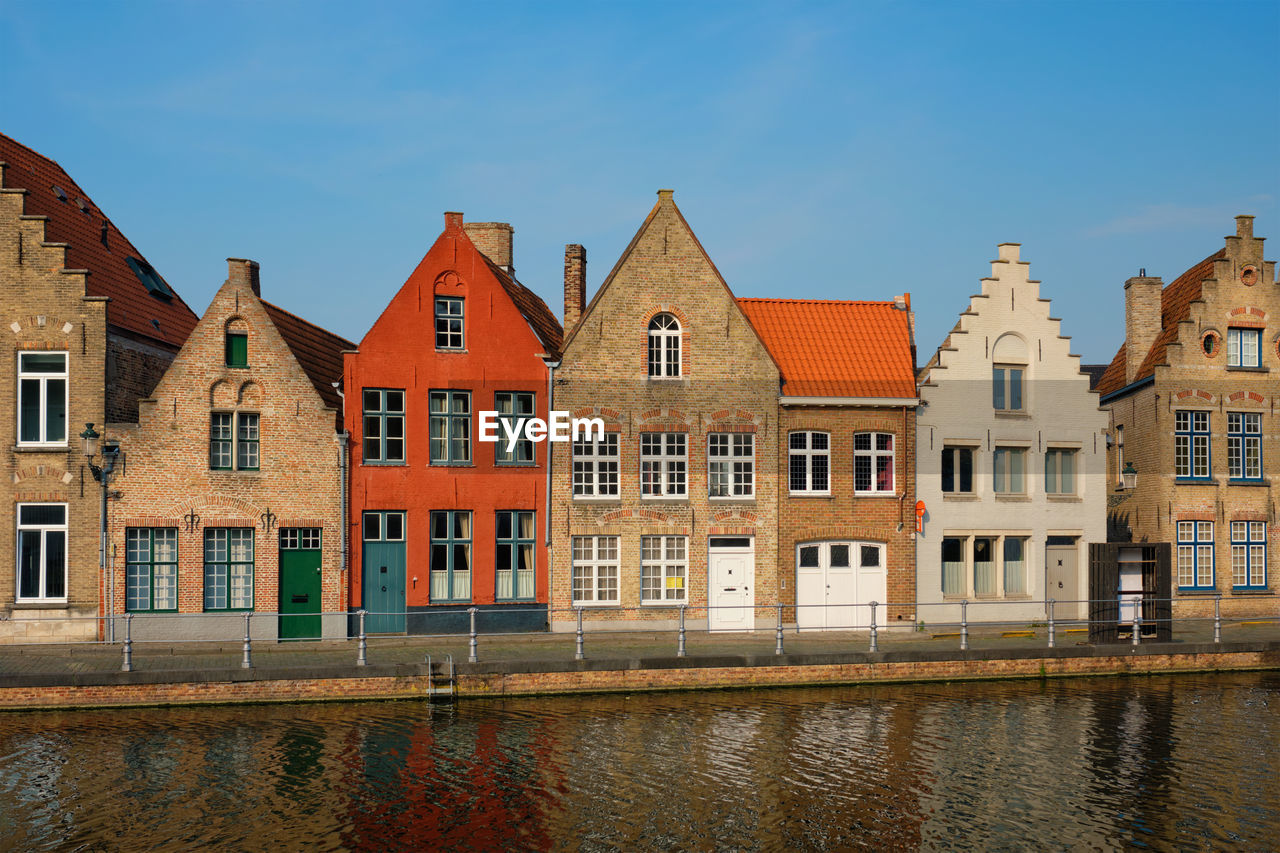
(846, 422)
(229, 492)
(441, 520)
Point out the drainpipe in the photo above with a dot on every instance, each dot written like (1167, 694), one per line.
(551, 392)
(343, 438)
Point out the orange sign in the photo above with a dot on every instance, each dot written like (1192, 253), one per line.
(919, 516)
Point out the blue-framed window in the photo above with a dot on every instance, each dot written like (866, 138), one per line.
(1191, 445)
(1249, 554)
(515, 557)
(450, 555)
(1244, 445)
(1195, 555)
(1244, 347)
(384, 425)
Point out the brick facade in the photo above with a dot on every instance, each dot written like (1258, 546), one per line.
(1185, 369)
(169, 480)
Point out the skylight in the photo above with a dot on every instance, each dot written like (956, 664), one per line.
(150, 279)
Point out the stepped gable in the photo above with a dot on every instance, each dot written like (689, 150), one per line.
(95, 244)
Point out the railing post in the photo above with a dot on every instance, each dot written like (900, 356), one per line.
(577, 652)
(247, 663)
(1217, 618)
(362, 646)
(680, 644)
(1119, 615)
(964, 625)
(777, 650)
(1137, 624)
(1052, 637)
(126, 665)
(875, 644)
(471, 653)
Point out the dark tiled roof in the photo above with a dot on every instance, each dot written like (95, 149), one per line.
(1175, 305)
(1094, 372)
(535, 311)
(78, 222)
(318, 351)
(832, 348)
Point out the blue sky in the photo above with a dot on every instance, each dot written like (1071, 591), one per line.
(824, 150)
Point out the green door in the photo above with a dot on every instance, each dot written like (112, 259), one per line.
(300, 583)
(383, 575)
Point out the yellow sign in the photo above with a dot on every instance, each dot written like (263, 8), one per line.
(675, 583)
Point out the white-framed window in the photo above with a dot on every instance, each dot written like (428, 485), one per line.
(151, 568)
(42, 398)
(595, 466)
(1007, 387)
(1249, 554)
(985, 566)
(1008, 470)
(449, 322)
(873, 463)
(664, 465)
(42, 552)
(1244, 445)
(957, 470)
(228, 568)
(809, 463)
(664, 347)
(730, 464)
(664, 565)
(1015, 565)
(233, 436)
(1059, 471)
(595, 569)
(1244, 347)
(1195, 555)
(1191, 445)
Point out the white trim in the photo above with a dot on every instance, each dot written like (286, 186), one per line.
(44, 530)
(848, 401)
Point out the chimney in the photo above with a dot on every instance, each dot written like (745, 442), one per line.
(575, 284)
(494, 240)
(1141, 320)
(452, 221)
(1244, 226)
(244, 272)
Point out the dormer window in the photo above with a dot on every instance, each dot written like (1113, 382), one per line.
(449, 322)
(664, 347)
(150, 279)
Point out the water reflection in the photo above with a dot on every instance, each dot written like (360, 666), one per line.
(1178, 762)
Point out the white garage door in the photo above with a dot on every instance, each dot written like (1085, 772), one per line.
(833, 578)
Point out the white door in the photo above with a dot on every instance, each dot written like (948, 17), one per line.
(834, 582)
(731, 569)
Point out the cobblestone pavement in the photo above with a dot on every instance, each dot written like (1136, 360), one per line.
(70, 659)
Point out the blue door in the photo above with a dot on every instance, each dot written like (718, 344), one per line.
(383, 574)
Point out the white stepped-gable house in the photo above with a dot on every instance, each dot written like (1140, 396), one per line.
(1011, 461)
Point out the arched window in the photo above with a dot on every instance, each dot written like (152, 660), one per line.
(664, 346)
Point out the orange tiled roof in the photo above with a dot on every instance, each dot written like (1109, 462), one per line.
(319, 352)
(830, 348)
(1175, 305)
(78, 222)
(535, 311)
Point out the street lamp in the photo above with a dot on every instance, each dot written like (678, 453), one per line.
(1130, 476)
(110, 453)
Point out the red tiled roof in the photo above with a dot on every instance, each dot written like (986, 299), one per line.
(132, 307)
(830, 348)
(319, 352)
(535, 311)
(1175, 305)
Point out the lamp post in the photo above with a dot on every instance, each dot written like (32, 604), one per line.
(110, 452)
(1130, 476)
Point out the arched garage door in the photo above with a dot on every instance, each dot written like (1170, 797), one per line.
(833, 578)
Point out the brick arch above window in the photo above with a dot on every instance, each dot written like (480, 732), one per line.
(1010, 348)
(1247, 315)
(42, 324)
(236, 323)
(449, 283)
(222, 395)
(250, 393)
(839, 533)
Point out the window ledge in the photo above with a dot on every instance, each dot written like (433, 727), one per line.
(597, 499)
(515, 465)
(451, 464)
(40, 604)
(819, 495)
(1241, 368)
(385, 464)
(1260, 481)
(41, 448)
(893, 495)
(1196, 591)
(732, 499)
(1253, 591)
(667, 604)
(1007, 498)
(596, 605)
(664, 499)
(1013, 414)
(1065, 499)
(452, 350)
(961, 496)
(1194, 481)
(675, 380)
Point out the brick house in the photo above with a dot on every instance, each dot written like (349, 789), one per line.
(1192, 395)
(846, 474)
(89, 327)
(442, 520)
(1009, 461)
(676, 503)
(230, 492)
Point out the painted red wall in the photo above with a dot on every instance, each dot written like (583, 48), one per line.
(502, 354)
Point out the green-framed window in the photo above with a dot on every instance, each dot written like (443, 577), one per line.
(450, 555)
(237, 349)
(514, 408)
(383, 426)
(515, 556)
(151, 568)
(228, 568)
(450, 427)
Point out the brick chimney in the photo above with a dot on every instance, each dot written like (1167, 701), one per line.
(243, 272)
(494, 240)
(575, 284)
(1141, 320)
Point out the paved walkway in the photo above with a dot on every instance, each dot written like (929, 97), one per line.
(79, 659)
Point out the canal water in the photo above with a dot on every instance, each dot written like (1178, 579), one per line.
(1165, 763)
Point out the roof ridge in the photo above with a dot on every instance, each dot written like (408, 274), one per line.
(888, 302)
(315, 326)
